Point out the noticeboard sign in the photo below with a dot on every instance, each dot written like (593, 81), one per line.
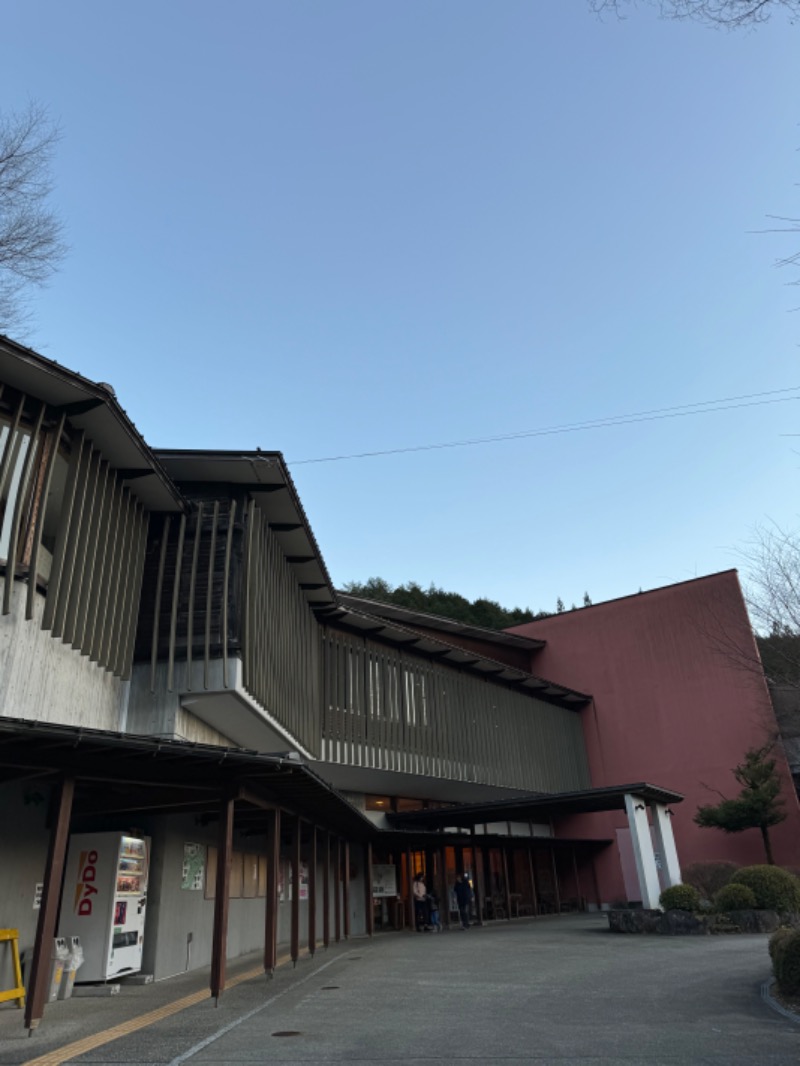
(384, 880)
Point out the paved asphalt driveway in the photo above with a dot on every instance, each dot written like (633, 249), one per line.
(555, 990)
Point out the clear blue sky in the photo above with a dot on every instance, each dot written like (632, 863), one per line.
(334, 227)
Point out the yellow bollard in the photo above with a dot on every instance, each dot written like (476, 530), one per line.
(11, 936)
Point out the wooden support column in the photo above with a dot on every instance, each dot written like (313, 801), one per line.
(506, 882)
(368, 901)
(272, 905)
(486, 871)
(410, 915)
(346, 890)
(38, 986)
(477, 863)
(337, 889)
(294, 943)
(312, 892)
(219, 941)
(326, 891)
(596, 884)
(534, 894)
(577, 880)
(444, 897)
(555, 881)
(429, 868)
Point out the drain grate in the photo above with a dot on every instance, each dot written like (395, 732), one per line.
(287, 1032)
(329, 988)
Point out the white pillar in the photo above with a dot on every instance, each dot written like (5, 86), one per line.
(643, 853)
(665, 842)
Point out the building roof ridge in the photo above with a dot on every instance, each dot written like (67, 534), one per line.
(512, 630)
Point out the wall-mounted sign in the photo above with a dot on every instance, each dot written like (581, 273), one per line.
(194, 861)
(384, 880)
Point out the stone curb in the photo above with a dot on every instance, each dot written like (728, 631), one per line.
(773, 1003)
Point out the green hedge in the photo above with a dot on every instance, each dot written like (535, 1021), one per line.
(786, 964)
(735, 898)
(775, 889)
(778, 938)
(680, 898)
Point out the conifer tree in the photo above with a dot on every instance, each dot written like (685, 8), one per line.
(758, 805)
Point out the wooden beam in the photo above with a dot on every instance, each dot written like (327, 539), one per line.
(219, 943)
(248, 796)
(48, 913)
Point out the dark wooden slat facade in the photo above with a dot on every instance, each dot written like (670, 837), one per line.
(395, 710)
(189, 567)
(282, 654)
(96, 547)
(222, 587)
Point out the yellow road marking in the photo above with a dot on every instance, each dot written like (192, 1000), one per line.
(89, 1043)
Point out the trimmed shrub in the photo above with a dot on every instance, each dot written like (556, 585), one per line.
(774, 888)
(776, 940)
(680, 898)
(735, 898)
(787, 965)
(709, 877)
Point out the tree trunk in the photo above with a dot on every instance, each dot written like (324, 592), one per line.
(767, 844)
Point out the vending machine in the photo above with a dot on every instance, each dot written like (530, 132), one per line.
(104, 901)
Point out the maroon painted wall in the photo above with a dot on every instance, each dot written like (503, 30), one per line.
(672, 706)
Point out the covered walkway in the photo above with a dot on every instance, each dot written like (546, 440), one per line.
(99, 777)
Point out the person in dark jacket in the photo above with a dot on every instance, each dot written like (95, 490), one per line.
(463, 893)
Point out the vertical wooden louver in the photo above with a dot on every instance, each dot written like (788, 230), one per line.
(93, 593)
(92, 588)
(185, 617)
(217, 585)
(281, 639)
(394, 710)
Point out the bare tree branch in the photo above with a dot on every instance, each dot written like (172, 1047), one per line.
(710, 789)
(31, 245)
(722, 14)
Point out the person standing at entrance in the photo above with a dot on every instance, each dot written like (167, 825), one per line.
(420, 903)
(463, 892)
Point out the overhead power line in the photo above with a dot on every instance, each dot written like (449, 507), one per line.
(702, 407)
